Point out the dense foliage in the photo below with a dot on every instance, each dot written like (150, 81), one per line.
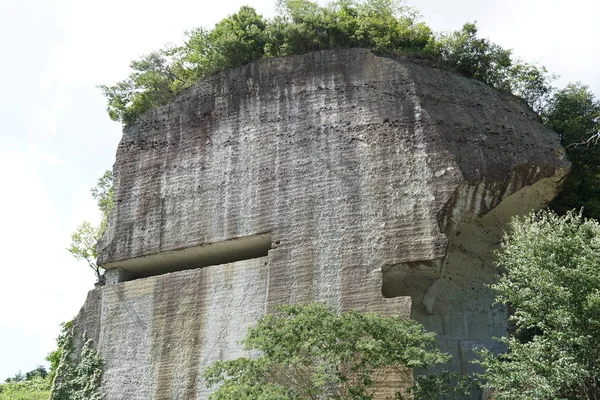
(77, 378)
(384, 25)
(85, 238)
(69, 378)
(488, 62)
(574, 113)
(36, 384)
(552, 280)
(303, 26)
(35, 388)
(61, 341)
(311, 352)
(32, 385)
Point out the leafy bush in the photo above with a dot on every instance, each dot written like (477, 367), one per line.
(552, 280)
(77, 378)
(85, 238)
(32, 385)
(311, 352)
(62, 340)
(488, 62)
(35, 388)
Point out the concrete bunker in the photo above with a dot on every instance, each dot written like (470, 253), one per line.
(200, 256)
(372, 168)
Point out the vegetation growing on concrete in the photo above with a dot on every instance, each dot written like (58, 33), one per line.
(302, 26)
(552, 259)
(551, 279)
(37, 384)
(312, 352)
(77, 377)
(85, 238)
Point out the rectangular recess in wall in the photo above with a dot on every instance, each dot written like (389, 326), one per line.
(204, 255)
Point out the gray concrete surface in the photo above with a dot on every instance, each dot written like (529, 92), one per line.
(382, 184)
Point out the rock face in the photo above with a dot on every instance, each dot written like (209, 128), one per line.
(363, 181)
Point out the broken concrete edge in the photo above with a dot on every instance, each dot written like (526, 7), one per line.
(110, 309)
(457, 211)
(117, 275)
(200, 256)
(469, 204)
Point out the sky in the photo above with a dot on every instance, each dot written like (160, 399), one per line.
(56, 139)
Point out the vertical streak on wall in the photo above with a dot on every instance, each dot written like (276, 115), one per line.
(359, 156)
(235, 299)
(125, 343)
(332, 185)
(179, 326)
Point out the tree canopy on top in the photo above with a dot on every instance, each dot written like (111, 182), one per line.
(302, 26)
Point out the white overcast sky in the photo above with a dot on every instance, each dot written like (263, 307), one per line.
(56, 139)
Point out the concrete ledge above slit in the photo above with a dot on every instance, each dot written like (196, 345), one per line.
(204, 255)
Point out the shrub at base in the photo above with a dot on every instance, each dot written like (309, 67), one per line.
(311, 352)
(552, 280)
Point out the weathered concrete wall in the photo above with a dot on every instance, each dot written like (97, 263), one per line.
(157, 334)
(379, 180)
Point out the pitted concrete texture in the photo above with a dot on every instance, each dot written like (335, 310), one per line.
(377, 180)
(352, 161)
(118, 275)
(156, 335)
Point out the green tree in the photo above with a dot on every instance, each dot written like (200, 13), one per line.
(302, 26)
(385, 25)
(552, 280)
(104, 194)
(246, 36)
(474, 56)
(530, 82)
(151, 84)
(238, 39)
(157, 77)
(311, 352)
(40, 371)
(84, 239)
(490, 63)
(83, 245)
(574, 113)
